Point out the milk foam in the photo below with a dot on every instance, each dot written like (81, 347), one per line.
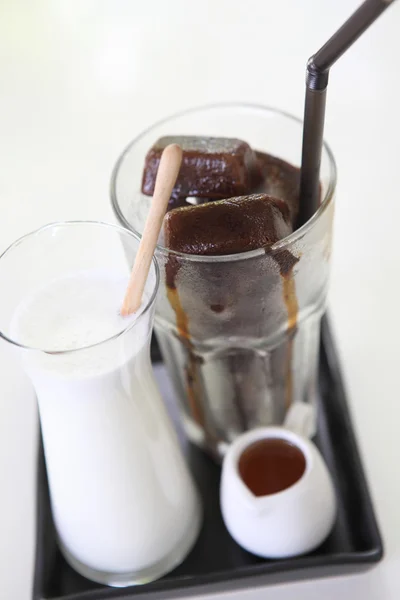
(73, 311)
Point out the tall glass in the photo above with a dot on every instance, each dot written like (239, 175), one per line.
(123, 502)
(239, 333)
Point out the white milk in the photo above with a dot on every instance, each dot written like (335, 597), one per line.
(122, 498)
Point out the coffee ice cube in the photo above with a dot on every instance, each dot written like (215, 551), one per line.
(280, 179)
(227, 226)
(212, 167)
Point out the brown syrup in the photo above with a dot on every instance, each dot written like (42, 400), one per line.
(271, 465)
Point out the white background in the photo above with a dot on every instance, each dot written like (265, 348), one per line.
(80, 78)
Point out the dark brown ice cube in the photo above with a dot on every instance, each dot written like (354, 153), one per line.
(212, 168)
(280, 179)
(227, 226)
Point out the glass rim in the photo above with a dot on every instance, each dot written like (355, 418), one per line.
(79, 223)
(281, 244)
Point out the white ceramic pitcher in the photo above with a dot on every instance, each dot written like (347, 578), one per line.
(292, 521)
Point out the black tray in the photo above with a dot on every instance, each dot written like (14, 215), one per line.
(217, 562)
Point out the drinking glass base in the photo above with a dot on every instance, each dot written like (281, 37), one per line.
(167, 564)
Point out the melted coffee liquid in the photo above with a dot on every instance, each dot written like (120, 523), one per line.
(281, 177)
(191, 365)
(270, 466)
(292, 307)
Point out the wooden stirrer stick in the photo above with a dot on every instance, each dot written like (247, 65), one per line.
(167, 174)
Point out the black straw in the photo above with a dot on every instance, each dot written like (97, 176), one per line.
(314, 109)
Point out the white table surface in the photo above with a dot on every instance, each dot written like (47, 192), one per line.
(79, 78)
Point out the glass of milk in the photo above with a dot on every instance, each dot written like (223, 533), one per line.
(124, 504)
